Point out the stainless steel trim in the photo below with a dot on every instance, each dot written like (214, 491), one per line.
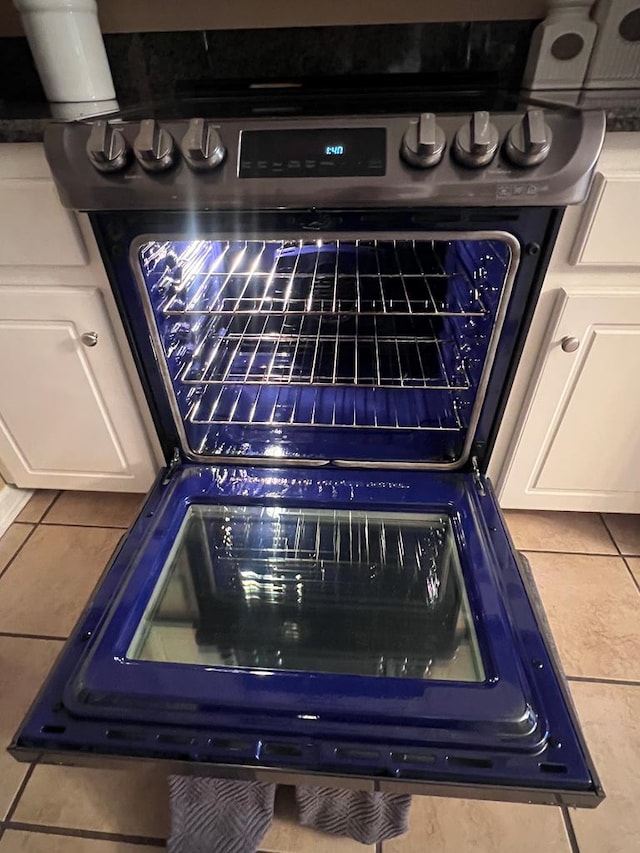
(512, 268)
(563, 178)
(427, 787)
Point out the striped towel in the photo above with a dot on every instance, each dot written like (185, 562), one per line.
(222, 816)
(218, 815)
(367, 817)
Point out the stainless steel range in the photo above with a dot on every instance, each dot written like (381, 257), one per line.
(327, 311)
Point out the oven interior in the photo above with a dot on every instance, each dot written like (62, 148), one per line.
(326, 349)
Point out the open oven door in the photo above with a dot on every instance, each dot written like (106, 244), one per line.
(292, 623)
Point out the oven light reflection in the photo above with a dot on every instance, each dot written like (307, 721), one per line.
(276, 451)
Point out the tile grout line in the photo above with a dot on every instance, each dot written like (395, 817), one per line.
(49, 508)
(587, 679)
(569, 553)
(93, 834)
(18, 635)
(20, 547)
(623, 556)
(568, 825)
(633, 577)
(18, 794)
(87, 526)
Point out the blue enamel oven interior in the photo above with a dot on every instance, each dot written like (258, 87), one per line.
(353, 349)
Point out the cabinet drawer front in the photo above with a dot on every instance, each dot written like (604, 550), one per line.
(36, 230)
(608, 233)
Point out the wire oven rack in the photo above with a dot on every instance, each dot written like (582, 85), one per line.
(317, 406)
(337, 277)
(324, 350)
(378, 334)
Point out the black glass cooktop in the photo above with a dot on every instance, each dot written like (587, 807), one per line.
(353, 95)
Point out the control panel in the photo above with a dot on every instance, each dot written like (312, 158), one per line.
(530, 157)
(335, 152)
(339, 152)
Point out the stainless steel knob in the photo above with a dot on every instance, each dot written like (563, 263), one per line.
(154, 146)
(201, 145)
(529, 141)
(107, 148)
(89, 339)
(476, 141)
(569, 344)
(423, 143)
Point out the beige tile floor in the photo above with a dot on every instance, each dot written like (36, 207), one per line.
(588, 571)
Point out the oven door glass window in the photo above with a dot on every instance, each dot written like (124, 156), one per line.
(314, 590)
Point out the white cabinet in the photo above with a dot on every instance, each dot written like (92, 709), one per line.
(579, 443)
(570, 435)
(71, 416)
(56, 238)
(68, 418)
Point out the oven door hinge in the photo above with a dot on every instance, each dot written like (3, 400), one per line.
(477, 476)
(176, 461)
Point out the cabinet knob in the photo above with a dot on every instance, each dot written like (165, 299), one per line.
(569, 344)
(89, 339)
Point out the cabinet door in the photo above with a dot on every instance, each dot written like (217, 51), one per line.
(578, 445)
(68, 418)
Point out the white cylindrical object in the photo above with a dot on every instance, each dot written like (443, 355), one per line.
(74, 110)
(68, 49)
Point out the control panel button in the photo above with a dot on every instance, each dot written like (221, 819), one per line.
(202, 146)
(529, 141)
(154, 147)
(476, 141)
(423, 143)
(107, 148)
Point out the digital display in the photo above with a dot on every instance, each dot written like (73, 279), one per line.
(321, 153)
